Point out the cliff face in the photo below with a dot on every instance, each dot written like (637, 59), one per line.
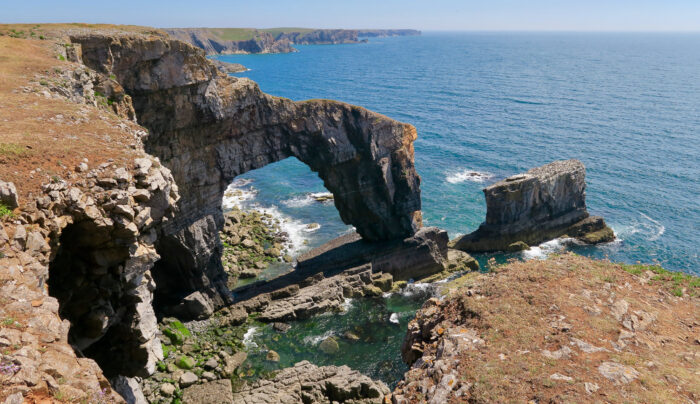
(208, 128)
(216, 41)
(260, 42)
(544, 203)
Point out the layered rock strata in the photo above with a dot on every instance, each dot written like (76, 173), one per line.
(307, 383)
(542, 204)
(208, 128)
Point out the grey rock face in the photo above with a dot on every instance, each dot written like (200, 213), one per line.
(8, 195)
(129, 389)
(533, 207)
(307, 383)
(208, 128)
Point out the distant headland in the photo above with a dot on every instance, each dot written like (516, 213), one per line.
(274, 40)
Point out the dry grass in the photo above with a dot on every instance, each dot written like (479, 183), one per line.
(43, 138)
(524, 308)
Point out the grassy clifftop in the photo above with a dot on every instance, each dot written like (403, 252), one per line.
(567, 329)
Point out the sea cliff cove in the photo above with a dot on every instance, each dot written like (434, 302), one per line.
(171, 233)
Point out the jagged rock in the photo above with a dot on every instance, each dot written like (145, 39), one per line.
(129, 389)
(414, 257)
(232, 362)
(307, 383)
(460, 261)
(542, 204)
(194, 306)
(218, 391)
(365, 159)
(8, 195)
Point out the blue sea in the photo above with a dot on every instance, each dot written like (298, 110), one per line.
(490, 105)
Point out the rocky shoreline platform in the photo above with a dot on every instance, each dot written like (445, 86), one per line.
(117, 261)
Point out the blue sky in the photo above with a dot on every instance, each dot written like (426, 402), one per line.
(538, 15)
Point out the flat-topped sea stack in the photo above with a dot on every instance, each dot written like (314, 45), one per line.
(542, 204)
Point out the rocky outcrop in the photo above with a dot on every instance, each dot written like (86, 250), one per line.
(565, 329)
(208, 128)
(542, 204)
(415, 257)
(213, 44)
(307, 383)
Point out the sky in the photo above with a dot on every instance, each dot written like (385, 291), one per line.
(467, 15)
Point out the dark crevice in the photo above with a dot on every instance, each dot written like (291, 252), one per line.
(85, 277)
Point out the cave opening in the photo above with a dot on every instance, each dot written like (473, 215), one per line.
(86, 277)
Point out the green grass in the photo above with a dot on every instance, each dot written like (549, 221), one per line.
(235, 34)
(12, 150)
(285, 30)
(5, 212)
(675, 280)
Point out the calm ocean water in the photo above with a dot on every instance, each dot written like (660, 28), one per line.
(627, 105)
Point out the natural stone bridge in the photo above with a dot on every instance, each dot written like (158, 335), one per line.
(208, 128)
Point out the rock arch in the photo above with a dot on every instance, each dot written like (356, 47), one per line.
(208, 128)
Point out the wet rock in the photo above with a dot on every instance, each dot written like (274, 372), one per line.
(218, 391)
(517, 246)
(329, 346)
(281, 327)
(384, 282)
(526, 209)
(272, 356)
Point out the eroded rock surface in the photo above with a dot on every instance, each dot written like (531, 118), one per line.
(567, 329)
(307, 383)
(208, 128)
(542, 204)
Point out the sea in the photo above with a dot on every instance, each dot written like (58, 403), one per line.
(491, 105)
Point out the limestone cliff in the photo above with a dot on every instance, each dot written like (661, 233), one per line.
(216, 41)
(208, 128)
(542, 204)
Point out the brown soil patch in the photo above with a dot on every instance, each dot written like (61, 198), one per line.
(43, 138)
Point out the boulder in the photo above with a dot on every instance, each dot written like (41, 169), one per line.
(194, 306)
(527, 209)
(329, 346)
(8, 195)
(188, 379)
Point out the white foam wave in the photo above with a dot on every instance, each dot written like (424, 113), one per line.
(457, 177)
(308, 199)
(543, 250)
(649, 228)
(314, 340)
(295, 229)
(248, 338)
(236, 197)
(347, 305)
(394, 318)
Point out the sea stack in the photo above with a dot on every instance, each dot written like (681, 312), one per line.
(542, 204)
